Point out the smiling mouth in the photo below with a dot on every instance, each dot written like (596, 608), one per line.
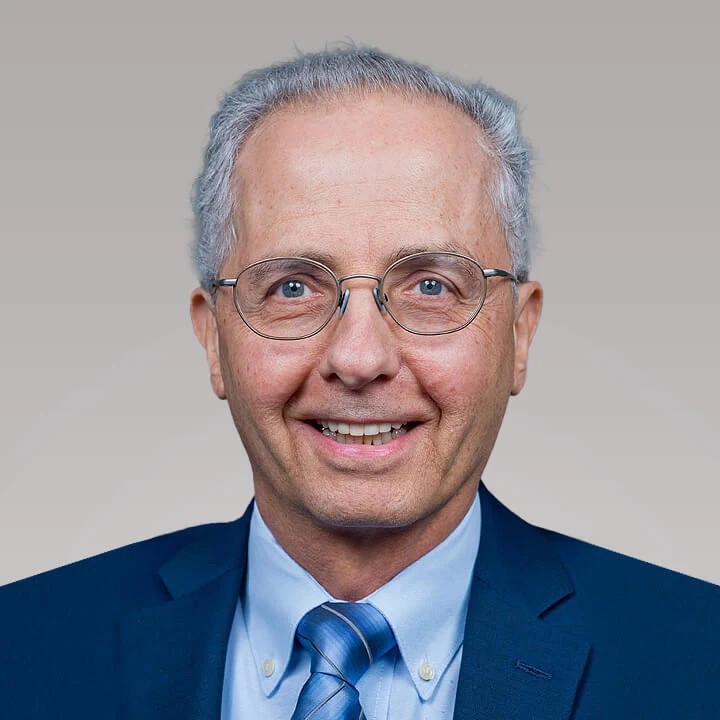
(362, 433)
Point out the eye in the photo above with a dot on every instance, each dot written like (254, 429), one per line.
(293, 289)
(430, 286)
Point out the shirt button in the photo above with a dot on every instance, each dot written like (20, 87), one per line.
(268, 667)
(426, 671)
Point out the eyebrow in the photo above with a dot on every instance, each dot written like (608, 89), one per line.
(261, 271)
(330, 260)
(317, 256)
(436, 246)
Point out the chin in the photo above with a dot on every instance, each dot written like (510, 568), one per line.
(369, 512)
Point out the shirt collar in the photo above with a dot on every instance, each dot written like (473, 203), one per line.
(425, 604)
(278, 592)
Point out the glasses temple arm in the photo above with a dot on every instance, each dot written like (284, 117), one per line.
(500, 273)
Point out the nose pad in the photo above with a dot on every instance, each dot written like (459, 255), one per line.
(344, 301)
(378, 301)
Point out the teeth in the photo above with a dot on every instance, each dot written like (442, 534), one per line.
(357, 430)
(362, 433)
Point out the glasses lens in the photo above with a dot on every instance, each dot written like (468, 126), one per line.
(432, 293)
(286, 298)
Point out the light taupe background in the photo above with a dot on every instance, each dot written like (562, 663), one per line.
(110, 433)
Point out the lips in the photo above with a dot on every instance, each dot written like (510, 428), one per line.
(375, 433)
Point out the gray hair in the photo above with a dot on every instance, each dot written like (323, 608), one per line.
(313, 77)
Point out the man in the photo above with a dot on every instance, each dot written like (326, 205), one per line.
(366, 311)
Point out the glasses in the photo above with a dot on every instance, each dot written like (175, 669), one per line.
(427, 293)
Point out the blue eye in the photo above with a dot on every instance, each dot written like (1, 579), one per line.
(430, 287)
(293, 289)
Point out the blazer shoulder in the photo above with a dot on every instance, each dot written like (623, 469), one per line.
(654, 632)
(60, 630)
(113, 577)
(635, 605)
(591, 580)
(591, 565)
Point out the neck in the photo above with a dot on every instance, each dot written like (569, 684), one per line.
(351, 563)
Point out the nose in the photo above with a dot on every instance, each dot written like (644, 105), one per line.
(362, 346)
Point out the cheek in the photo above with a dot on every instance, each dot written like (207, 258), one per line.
(466, 373)
(262, 375)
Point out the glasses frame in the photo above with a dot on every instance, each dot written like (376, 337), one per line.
(343, 296)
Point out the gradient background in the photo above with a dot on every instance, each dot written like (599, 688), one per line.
(110, 432)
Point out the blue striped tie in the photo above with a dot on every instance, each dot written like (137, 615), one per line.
(343, 640)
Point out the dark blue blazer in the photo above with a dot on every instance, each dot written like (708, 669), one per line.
(556, 629)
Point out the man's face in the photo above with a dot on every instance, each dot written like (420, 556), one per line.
(360, 182)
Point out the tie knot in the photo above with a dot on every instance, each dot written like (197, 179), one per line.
(345, 638)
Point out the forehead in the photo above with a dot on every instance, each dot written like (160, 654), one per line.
(363, 175)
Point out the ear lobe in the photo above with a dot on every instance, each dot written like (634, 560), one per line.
(204, 320)
(527, 317)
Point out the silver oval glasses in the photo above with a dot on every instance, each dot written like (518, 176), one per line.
(427, 293)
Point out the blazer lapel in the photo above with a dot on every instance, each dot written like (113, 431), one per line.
(172, 655)
(521, 657)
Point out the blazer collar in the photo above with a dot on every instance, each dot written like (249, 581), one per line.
(172, 655)
(518, 661)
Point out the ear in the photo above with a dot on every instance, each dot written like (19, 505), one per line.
(527, 317)
(204, 323)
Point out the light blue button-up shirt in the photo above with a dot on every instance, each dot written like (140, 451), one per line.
(425, 604)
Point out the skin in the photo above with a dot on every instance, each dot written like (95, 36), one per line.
(360, 179)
